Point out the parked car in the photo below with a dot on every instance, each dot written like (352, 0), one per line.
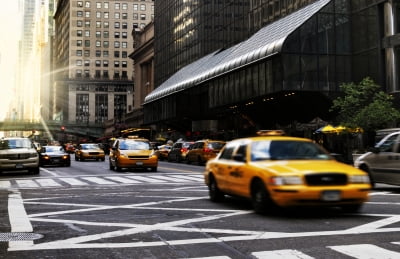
(382, 163)
(179, 151)
(203, 150)
(281, 171)
(18, 154)
(54, 155)
(132, 152)
(89, 151)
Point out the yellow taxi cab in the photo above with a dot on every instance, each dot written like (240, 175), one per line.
(276, 171)
(203, 150)
(89, 151)
(132, 152)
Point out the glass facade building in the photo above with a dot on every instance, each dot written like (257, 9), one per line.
(287, 70)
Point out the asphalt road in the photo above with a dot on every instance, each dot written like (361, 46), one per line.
(88, 211)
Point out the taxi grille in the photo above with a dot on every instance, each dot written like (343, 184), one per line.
(326, 179)
(93, 153)
(138, 157)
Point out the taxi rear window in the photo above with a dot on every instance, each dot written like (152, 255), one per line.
(287, 150)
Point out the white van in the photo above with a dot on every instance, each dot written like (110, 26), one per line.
(383, 162)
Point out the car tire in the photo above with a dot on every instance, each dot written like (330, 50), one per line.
(260, 198)
(112, 168)
(68, 164)
(117, 168)
(76, 158)
(154, 169)
(35, 170)
(214, 192)
(351, 208)
(366, 169)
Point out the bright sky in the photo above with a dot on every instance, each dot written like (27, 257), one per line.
(9, 31)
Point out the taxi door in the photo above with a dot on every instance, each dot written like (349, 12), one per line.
(237, 175)
(386, 163)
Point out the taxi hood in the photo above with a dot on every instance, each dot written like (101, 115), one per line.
(304, 166)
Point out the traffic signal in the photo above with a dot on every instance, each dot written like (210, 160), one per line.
(62, 128)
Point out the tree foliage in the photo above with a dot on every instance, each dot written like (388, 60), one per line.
(365, 105)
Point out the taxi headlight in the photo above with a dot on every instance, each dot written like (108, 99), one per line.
(286, 180)
(359, 179)
(123, 155)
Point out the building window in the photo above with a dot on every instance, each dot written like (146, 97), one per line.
(106, 44)
(98, 24)
(105, 63)
(106, 25)
(98, 43)
(116, 35)
(79, 33)
(98, 5)
(79, 53)
(105, 74)
(79, 43)
(98, 15)
(124, 64)
(79, 23)
(124, 75)
(116, 44)
(87, 4)
(105, 34)
(124, 16)
(119, 107)
(124, 35)
(87, 43)
(142, 17)
(87, 53)
(87, 14)
(135, 7)
(101, 108)
(79, 3)
(98, 53)
(106, 15)
(79, 63)
(98, 34)
(87, 63)
(105, 53)
(78, 73)
(124, 25)
(135, 16)
(106, 4)
(117, 15)
(98, 63)
(124, 45)
(124, 54)
(117, 6)
(116, 54)
(124, 6)
(79, 13)
(87, 24)
(87, 33)
(82, 108)
(116, 25)
(87, 73)
(97, 74)
(116, 63)
(142, 7)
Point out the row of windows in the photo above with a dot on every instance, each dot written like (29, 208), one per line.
(106, 34)
(100, 74)
(117, 6)
(106, 24)
(105, 44)
(98, 63)
(117, 54)
(106, 15)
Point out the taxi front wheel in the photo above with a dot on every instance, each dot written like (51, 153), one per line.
(214, 192)
(260, 198)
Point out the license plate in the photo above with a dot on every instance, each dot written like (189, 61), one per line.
(19, 166)
(139, 163)
(330, 195)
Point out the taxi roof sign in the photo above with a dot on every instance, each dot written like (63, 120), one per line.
(270, 133)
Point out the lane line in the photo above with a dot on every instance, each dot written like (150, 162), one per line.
(122, 179)
(98, 180)
(146, 179)
(365, 251)
(73, 181)
(281, 254)
(5, 184)
(48, 182)
(26, 183)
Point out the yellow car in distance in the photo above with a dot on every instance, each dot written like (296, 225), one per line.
(89, 151)
(132, 152)
(280, 171)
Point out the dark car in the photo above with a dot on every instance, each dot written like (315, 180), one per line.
(54, 155)
(179, 150)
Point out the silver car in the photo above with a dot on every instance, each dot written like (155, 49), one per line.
(383, 162)
(18, 154)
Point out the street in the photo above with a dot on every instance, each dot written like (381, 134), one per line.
(88, 211)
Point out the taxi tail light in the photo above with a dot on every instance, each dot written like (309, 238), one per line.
(207, 150)
(183, 150)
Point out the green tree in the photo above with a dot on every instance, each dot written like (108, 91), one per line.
(366, 106)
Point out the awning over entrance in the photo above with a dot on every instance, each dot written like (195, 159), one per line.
(266, 42)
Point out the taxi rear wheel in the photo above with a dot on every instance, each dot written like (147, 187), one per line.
(214, 192)
(260, 198)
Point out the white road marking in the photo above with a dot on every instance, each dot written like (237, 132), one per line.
(98, 180)
(281, 254)
(48, 183)
(5, 184)
(26, 183)
(122, 179)
(18, 220)
(169, 178)
(48, 171)
(366, 251)
(146, 179)
(188, 177)
(73, 181)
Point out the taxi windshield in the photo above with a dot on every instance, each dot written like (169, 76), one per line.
(287, 150)
(90, 146)
(134, 145)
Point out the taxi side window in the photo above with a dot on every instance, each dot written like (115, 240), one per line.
(227, 153)
(242, 150)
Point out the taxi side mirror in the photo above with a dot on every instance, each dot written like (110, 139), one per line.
(239, 158)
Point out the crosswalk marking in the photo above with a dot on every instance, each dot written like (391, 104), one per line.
(366, 251)
(281, 254)
(5, 184)
(48, 182)
(101, 180)
(146, 179)
(122, 179)
(97, 180)
(27, 183)
(73, 181)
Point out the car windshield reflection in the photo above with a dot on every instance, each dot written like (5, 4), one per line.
(15, 143)
(287, 150)
(134, 145)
